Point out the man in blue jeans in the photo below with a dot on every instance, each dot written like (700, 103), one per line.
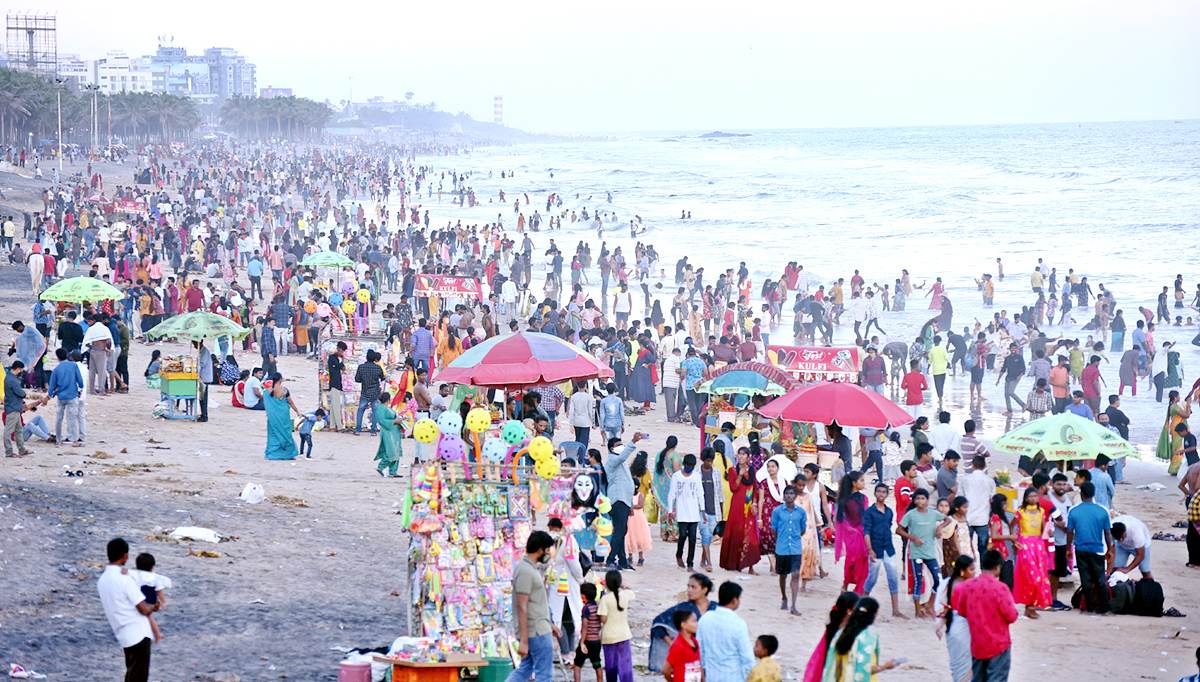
(877, 529)
(531, 607)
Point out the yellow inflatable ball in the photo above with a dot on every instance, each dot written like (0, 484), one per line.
(547, 468)
(363, 296)
(310, 307)
(541, 449)
(349, 305)
(426, 431)
(478, 420)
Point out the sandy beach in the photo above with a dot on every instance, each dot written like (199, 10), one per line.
(320, 564)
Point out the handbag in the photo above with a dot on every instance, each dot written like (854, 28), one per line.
(650, 509)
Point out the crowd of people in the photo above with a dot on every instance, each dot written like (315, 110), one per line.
(223, 217)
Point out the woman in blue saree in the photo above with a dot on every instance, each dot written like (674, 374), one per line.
(279, 406)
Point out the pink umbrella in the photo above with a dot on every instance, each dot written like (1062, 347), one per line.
(522, 360)
(847, 404)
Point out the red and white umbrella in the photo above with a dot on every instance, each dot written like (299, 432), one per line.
(523, 360)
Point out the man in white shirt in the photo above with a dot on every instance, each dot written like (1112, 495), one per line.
(978, 487)
(686, 503)
(252, 396)
(580, 408)
(1132, 539)
(943, 437)
(670, 381)
(440, 402)
(128, 612)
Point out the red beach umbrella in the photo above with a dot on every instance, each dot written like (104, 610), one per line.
(522, 360)
(847, 404)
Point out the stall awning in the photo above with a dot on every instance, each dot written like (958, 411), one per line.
(445, 286)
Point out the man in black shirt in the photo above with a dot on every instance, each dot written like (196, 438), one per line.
(70, 334)
(336, 365)
(1012, 370)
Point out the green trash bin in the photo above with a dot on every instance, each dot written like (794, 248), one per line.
(496, 670)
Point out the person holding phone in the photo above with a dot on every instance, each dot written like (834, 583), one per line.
(620, 492)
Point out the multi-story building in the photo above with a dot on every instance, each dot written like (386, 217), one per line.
(230, 74)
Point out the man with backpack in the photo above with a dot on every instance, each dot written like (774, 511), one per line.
(1132, 542)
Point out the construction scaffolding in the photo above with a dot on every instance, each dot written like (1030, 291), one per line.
(33, 43)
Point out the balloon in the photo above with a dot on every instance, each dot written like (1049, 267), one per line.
(541, 448)
(323, 310)
(363, 295)
(336, 299)
(348, 287)
(495, 450)
(452, 447)
(547, 468)
(603, 504)
(513, 432)
(478, 420)
(604, 527)
(348, 306)
(450, 424)
(310, 307)
(426, 431)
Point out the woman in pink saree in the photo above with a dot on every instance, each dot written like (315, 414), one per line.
(849, 543)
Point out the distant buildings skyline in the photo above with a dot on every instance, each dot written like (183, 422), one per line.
(211, 76)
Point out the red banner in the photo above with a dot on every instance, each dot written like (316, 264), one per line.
(815, 362)
(445, 286)
(131, 207)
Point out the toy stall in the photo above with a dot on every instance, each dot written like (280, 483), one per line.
(730, 390)
(469, 510)
(356, 354)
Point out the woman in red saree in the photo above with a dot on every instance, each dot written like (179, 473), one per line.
(739, 544)
(849, 543)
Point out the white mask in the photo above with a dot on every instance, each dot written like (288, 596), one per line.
(584, 487)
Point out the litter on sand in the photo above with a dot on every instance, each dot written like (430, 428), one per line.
(253, 493)
(195, 533)
(18, 673)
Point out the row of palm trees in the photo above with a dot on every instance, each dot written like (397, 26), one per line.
(29, 106)
(278, 117)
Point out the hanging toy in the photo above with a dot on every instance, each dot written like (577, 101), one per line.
(478, 420)
(450, 424)
(547, 468)
(363, 296)
(513, 432)
(603, 504)
(541, 448)
(426, 431)
(348, 306)
(336, 299)
(495, 450)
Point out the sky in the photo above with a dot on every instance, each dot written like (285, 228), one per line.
(668, 65)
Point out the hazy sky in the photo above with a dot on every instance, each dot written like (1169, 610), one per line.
(620, 65)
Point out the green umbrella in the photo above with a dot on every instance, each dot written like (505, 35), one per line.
(1065, 436)
(327, 259)
(82, 290)
(198, 326)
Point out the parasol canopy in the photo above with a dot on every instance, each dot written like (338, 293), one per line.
(748, 378)
(82, 290)
(524, 359)
(1065, 436)
(846, 404)
(198, 326)
(327, 259)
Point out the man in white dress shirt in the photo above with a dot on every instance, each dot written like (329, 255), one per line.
(127, 611)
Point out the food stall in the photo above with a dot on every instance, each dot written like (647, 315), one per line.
(817, 363)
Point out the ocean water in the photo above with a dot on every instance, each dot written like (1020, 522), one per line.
(1118, 202)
